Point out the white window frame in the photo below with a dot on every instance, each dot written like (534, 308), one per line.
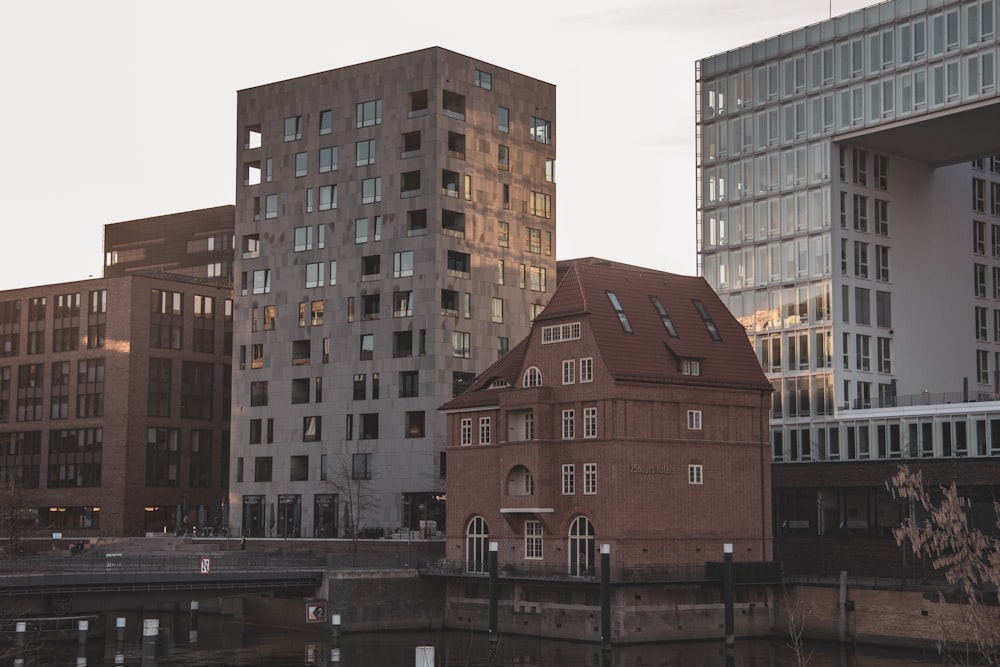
(587, 369)
(590, 422)
(694, 420)
(568, 424)
(568, 479)
(690, 367)
(532, 377)
(696, 474)
(569, 371)
(560, 332)
(465, 437)
(485, 432)
(533, 540)
(590, 479)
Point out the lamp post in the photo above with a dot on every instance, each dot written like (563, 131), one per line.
(494, 591)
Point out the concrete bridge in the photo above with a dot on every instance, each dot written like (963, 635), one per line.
(118, 580)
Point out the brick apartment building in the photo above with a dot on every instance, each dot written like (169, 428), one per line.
(115, 392)
(634, 414)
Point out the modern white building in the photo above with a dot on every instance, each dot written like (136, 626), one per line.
(395, 229)
(849, 215)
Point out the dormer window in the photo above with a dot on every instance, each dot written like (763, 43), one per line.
(690, 367)
(499, 383)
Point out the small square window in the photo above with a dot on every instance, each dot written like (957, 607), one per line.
(694, 420)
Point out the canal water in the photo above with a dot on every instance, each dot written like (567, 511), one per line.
(223, 642)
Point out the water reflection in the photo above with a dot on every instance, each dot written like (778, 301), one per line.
(223, 642)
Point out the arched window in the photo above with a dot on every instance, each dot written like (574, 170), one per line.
(533, 377)
(520, 482)
(477, 545)
(581, 547)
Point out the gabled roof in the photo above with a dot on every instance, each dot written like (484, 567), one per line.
(648, 352)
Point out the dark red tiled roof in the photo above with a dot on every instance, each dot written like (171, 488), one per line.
(648, 353)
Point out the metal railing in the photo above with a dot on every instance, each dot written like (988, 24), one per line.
(219, 561)
(924, 398)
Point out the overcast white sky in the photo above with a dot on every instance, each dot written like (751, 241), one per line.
(115, 109)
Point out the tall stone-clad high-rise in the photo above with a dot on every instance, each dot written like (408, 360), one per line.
(395, 229)
(849, 215)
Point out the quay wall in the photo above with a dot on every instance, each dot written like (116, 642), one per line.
(381, 600)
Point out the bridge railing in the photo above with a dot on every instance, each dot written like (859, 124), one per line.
(224, 561)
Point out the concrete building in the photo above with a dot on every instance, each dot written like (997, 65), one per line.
(114, 405)
(848, 216)
(634, 414)
(395, 226)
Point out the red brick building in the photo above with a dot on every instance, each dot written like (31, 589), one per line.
(634, 414)
(115, 404)
(115, 392)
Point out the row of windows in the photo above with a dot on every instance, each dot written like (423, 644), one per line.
(315, 276)
(979, 196)
(524, 423)
(403, 342)
(75, 458)
(800, 258)
(767, 175)
(945, 437)
(539, 203)
(943, 84)
(776, 308)
(64, 339)
(163, 458)
(64, 306)
(369, 113)
(414, 423)
(800, 350)
(580, 545)
(982, 318)
(365, 154)
(767, 219)
(922, 37)
(27, 392)
(860, 267)
(299, 469)
(197, 396)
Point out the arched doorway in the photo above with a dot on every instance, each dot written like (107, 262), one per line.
(581, 547)
(477, 545)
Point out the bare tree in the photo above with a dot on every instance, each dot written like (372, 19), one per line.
(966, 558)
(353, 487)
(795, 617)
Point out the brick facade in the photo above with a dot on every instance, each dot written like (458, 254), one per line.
(635, 479)
(87, 474)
